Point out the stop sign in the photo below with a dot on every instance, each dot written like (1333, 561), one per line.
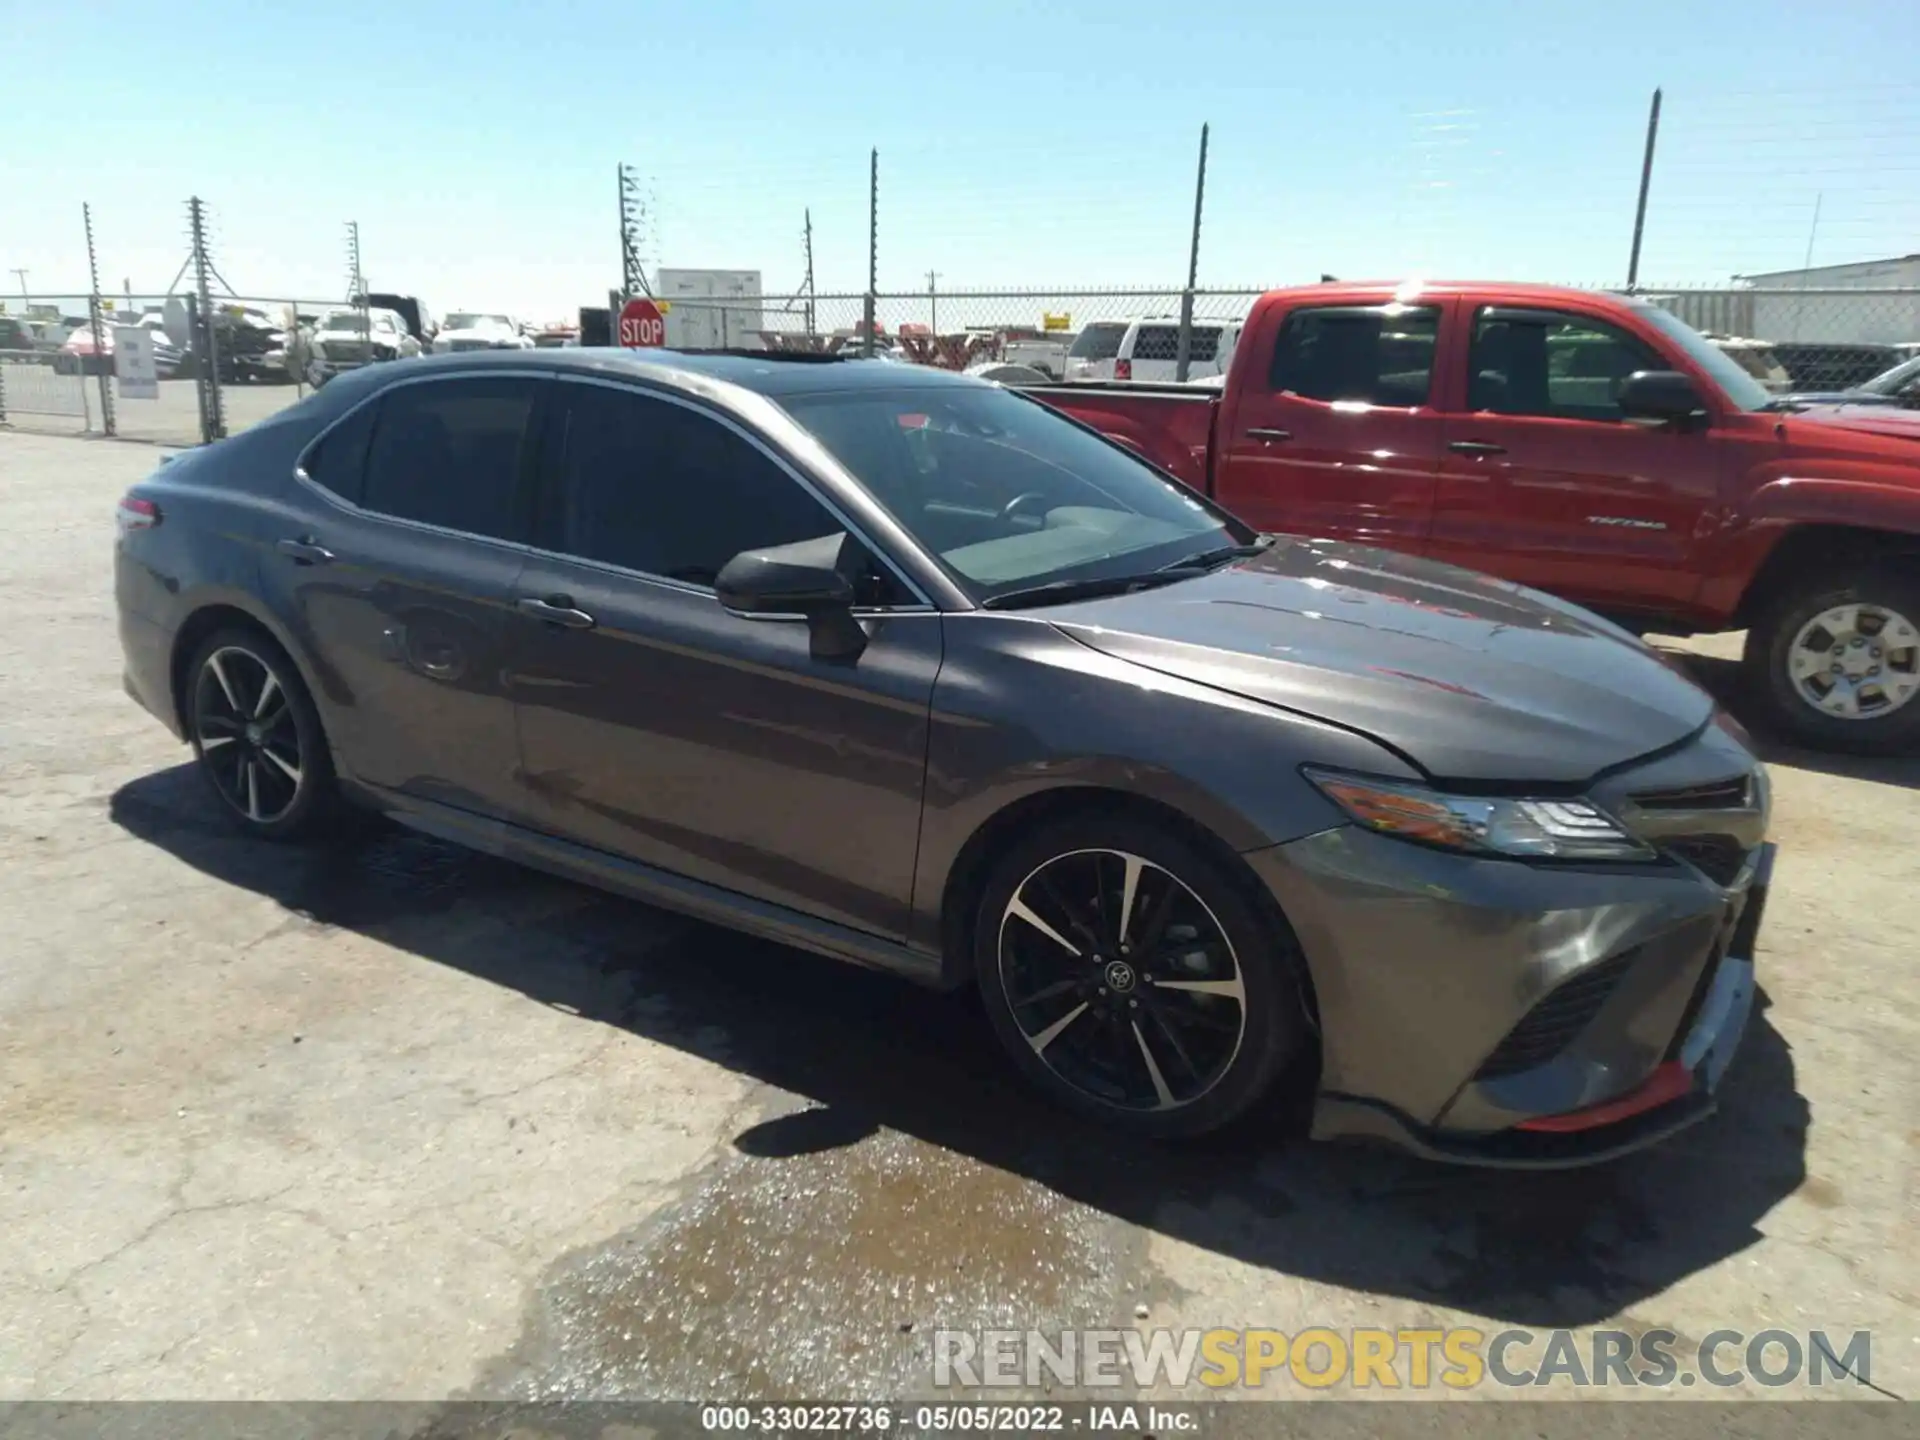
(642, 325)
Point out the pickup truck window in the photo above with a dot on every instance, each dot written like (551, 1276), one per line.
(1741, 389)
(1552, 364)
(1375, 354)
(1008, 493)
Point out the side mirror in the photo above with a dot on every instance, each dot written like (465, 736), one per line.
(1659, 395)
(803, 579)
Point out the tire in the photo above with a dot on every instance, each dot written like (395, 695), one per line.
(1077, 1027)
(267, 764)
(1792, 632)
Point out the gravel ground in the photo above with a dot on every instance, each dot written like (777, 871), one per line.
(392, 1120)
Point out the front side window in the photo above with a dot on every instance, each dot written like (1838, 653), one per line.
(448, 453)
(1551, 364)
(1007, 493)
(653, 486)
(1370, 355)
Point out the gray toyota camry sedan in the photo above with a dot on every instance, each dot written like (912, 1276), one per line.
(908, 669)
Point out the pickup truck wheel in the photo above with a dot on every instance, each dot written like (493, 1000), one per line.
(1836, 664)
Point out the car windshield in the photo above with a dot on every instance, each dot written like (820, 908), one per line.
(1892, 382)
(1008, 493)
(1740, 388)
(1097, 342)
(473, 322)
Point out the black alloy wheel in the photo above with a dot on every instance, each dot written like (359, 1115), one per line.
(256, 735)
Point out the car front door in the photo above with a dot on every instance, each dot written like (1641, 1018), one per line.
(658, 725)
(1332, 431)
(398, 575)
(1544, 481)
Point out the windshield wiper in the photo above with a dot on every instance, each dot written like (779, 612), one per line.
(1207, 559)
(1059, 592)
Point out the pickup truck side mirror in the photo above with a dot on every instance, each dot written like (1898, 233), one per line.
(1659, 395)
(803, 579)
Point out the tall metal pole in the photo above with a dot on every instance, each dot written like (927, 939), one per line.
(809, 235)
(1646, 182)
(101, 367)
(873, 251)
(933, 303)
(1184, 356)
(213, 422)
(21, 275)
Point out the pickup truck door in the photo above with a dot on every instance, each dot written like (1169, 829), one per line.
(1329, 427)
(1544, 481)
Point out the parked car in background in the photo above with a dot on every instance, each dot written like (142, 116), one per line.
(909, 670)
(1828, 367)
(347, 339)
(556, 337)
(415, 318)
(1758, 359)
(19, 339)
(1898, 385)
(465, 330)
(1590, 445)
(1148, 350)
(251, 346)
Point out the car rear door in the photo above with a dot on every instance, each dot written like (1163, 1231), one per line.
(398, 581)
(1545, 482)
(1330, 428)
(658, 725)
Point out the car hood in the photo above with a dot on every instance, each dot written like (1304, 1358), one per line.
(1869, 419)
(1469, 677)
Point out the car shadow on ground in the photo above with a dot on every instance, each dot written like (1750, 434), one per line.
(873, 1053)
(1726, 682)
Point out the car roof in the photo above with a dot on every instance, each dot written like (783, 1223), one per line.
(762, 372)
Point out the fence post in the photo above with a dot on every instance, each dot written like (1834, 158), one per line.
(1183, 359)
(213, 421)
(873, 251)
(99, 329)
(197, 347)
(3, 394)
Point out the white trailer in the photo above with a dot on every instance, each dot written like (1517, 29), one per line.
(711, 309)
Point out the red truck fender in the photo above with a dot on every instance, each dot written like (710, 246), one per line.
(1837, 516)
(1860, 504)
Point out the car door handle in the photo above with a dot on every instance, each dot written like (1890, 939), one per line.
(1476, 447)
(305, 552)
(556, 610)
(1263, 432)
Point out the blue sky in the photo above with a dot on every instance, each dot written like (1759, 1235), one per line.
(476, 140)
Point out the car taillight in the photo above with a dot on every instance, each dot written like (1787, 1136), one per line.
(136, 514)
(1123, 369)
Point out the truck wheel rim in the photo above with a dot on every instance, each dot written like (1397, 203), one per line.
(1121, 980)
(1856, 662)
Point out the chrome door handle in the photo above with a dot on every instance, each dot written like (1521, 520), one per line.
(1476, 447)
(556, 610)
(305, 552)
(1263, 432)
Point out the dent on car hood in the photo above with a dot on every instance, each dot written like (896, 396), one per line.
(1470, 677)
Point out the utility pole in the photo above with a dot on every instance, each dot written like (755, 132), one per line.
(20, 274)
(1184, 355)
(933, 303)
(633, 219)
(873, 251)
(206, 369)
(809, 244)
(98, 326)
(1646, 181)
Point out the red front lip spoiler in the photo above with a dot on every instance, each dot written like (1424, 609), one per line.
(1668, 1083)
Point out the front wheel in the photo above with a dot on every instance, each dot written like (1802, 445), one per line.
(1130, 978)
(257, 737)
(1835, 664)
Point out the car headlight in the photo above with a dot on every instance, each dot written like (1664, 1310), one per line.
(1515, 827)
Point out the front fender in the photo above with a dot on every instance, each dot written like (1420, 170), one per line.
(1867, 502)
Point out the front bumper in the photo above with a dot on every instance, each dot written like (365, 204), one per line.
(1494, 1013)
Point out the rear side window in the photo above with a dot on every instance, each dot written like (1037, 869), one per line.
(338, 463)
(448, 453)
(1551, 364)
(1162, 342)
(1376, 355)
(1097, 342)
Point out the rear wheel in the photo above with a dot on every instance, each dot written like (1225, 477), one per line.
(1835, 664)
(1131, 979)
(257, 737)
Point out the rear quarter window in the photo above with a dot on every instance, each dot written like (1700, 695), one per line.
(337, 462)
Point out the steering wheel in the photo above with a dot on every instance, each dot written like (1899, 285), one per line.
(1011, 510)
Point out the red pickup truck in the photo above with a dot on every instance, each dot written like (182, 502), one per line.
(1583, 443)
